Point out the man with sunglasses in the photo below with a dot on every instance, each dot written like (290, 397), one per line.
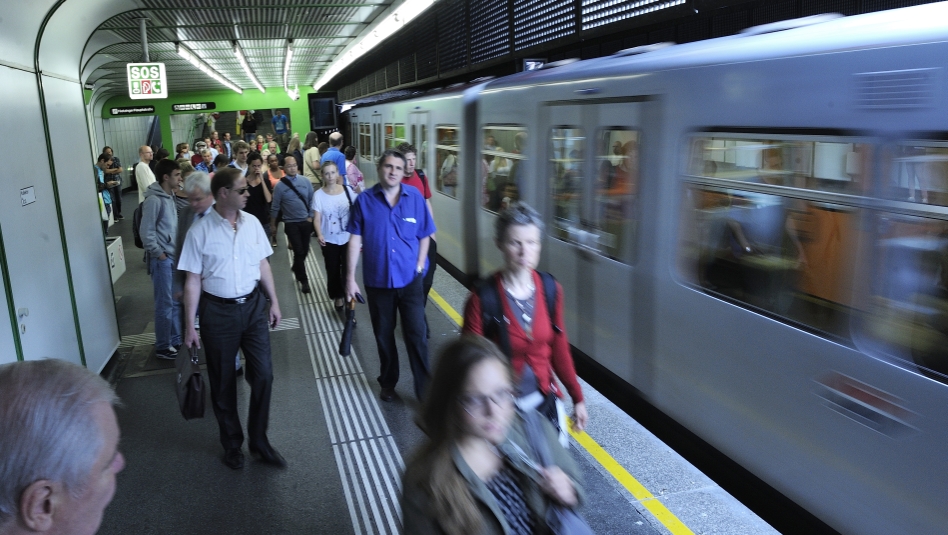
(230, 283)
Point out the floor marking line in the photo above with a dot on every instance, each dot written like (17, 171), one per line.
(364, 478)
(646, 498)
(326, 415)
(374, 470)
(386, 474)
(345, 490)
(354, 481)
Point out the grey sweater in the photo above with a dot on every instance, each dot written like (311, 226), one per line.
(159, 222)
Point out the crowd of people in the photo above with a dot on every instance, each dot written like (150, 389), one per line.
(209, 222)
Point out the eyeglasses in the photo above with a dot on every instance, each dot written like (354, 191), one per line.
(477, 404)
(238, 191)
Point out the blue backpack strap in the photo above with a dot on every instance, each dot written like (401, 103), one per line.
(549, 293)
(492, 314)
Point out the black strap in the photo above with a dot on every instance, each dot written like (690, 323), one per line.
(492, 311)
(424, 180)
(549, 293)
(296, 191)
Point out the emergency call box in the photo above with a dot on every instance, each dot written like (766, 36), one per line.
(146, 81)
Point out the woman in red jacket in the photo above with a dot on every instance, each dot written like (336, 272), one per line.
(533, 339)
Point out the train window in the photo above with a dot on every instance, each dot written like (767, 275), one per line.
(617, 187)
(567, 147)
(919, 173)
(422, 146)
(502, 165)
(759, 227)
(365, 141)
(448, 159)
(394, 135)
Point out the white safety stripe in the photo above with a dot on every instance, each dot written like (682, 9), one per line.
(369, 463)
(145, 339)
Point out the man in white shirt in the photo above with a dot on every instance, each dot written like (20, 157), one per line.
(229, 280)
(143, 174)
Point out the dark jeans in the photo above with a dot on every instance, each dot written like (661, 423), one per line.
(335, 257)
(116, 193)
(432, 265)
(410, 304)
(298, 235)
(224, 329)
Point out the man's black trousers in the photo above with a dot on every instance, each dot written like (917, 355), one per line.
(116, 194)
(224, 329)
(298, 235)
(409, 302)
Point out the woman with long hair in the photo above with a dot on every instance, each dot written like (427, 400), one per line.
(331, 204)
(539, 348)
(353, 174)
(474, 474)
(311, 159)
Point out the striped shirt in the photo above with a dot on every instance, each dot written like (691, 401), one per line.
(227, 260)
(511, 501)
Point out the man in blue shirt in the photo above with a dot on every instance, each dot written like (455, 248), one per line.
(281, 127)
(335, 155)
(294, 195)
(393, 225)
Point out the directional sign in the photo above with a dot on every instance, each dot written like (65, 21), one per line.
(146, 80)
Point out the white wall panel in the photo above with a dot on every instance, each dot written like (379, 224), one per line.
(68, 30)
(125, 135)
(92, 283)
(18, 26)
(31, 233)
(181, 127)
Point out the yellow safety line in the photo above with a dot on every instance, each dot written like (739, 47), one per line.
(646, 498)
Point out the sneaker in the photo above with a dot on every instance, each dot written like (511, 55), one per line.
(119, 218)
(166, 354)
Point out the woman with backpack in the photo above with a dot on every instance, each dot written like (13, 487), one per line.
(521, 310)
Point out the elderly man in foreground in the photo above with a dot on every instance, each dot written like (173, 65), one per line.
(58, 448)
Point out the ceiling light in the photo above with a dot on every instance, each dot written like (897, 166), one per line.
(392, 22)
(286, 64)
(243, 63)
(192, 58)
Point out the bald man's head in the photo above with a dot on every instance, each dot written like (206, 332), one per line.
(145, 153)
(335, 139)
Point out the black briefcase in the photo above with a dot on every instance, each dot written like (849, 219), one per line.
(190, 384)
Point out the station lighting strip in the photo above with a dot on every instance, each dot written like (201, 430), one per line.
(239, 52)
(192, 58)
(286, 64)
(393, 22)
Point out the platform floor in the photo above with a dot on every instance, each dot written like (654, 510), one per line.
(345, 448)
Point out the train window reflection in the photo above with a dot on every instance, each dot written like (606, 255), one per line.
(567, 149)
(448, 159)
(920, 173)
(365, 141)
(791, 253)
(394, 135)
(422, 147)
(502, 165)
(617, 185)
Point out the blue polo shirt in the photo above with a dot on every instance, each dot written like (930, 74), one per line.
(390, 235)
(335, 156)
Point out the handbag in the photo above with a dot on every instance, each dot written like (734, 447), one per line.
(560, 519)
(190, 384)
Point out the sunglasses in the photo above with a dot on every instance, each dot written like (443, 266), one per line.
(239, 191)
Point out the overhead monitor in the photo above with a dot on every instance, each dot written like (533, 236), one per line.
(322, 113)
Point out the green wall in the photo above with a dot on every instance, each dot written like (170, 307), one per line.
(225, 100)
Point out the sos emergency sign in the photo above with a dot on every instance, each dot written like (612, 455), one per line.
(146, 80)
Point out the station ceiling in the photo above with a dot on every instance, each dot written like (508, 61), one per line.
(319, 30)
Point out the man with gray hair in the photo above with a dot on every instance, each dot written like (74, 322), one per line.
(58, 448)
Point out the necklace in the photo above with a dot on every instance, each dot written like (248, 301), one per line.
(526, 307)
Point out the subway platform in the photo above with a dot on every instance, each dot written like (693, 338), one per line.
(346, 449)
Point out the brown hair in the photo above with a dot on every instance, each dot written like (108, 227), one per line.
(432, 468)
(224, 178)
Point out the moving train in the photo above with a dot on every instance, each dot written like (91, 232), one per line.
(751, 231)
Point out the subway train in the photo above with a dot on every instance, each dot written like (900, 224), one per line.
(751, 232)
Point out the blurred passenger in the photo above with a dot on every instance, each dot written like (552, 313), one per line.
(228, 146)
(249, 127)
(114, 173)
(59, 453)
(311, 157)
(217, 144)
(323, 147)
(198, 189)
(331, 205)
(225, 257)
(210, 146)
(517, 173)
(490, 143)
(416, 178)
(334, 154)
(259, 144)
(294, 149)
(181, 198)
(183, 150)
(220, 162)
(281, 127)
(104, 186)
(258, 203)
(473, 474)
(143, 173)
(158, 231)
(293, 197)
(241, 151)
(353, 174)
(538, 345)
(269, 139)
(206, 164)
(274, 174)
(393, 223)
(160, 154)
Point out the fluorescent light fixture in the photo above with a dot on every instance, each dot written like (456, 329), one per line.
(192, 58)
(286, 64)
(243, 63)
(393, 21)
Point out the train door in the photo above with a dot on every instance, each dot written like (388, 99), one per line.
(592, 168)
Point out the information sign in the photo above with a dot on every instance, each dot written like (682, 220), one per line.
(146, 80)
(197, 106)
(132, 110)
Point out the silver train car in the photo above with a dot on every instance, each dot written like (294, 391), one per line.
(751, 231)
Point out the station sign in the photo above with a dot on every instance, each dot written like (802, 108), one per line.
(146, 80)
(196, 106)
(132, 110)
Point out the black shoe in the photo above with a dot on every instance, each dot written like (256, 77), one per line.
(305, 287)
(387, 394)
(166, 354)
(234, 459)
(268, 455)
(240, 371)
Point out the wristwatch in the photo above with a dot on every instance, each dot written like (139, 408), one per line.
(418, 270)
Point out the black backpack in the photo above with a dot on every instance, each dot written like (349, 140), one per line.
(137, 223)
(492, 312)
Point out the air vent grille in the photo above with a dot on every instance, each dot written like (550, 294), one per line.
(896, 90)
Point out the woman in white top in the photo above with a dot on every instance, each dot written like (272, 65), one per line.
(332, 203)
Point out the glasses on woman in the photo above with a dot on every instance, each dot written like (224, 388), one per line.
(477, 404)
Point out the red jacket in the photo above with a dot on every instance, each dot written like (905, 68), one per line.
(547, 351)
